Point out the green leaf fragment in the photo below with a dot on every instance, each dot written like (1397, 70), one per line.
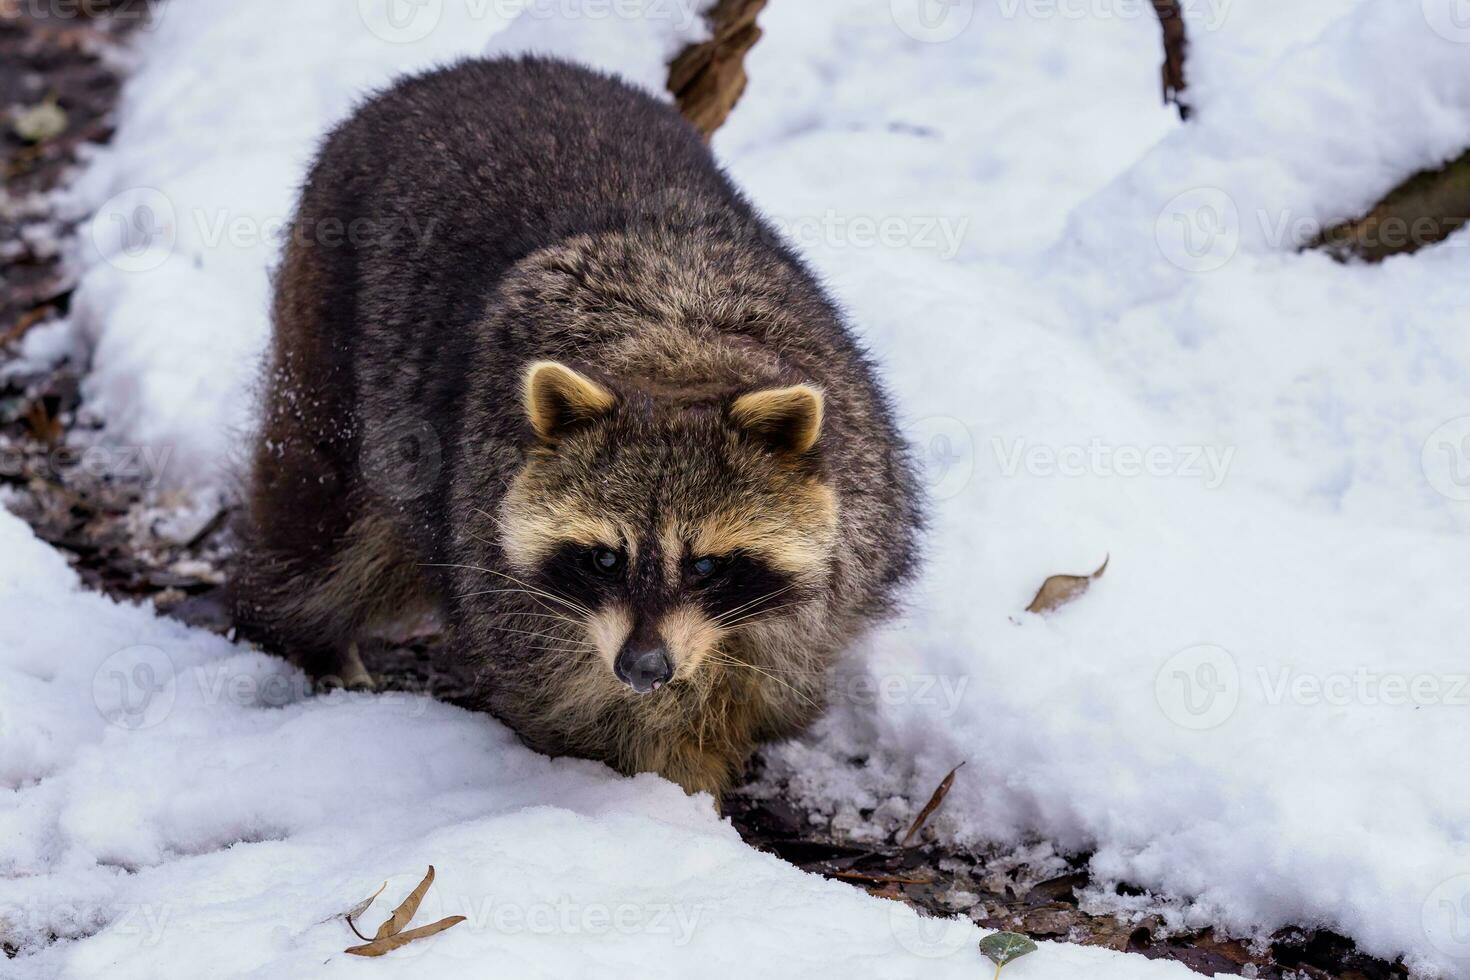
(1003, 947)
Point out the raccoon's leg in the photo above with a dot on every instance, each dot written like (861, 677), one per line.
(355, 674)
(704, 768)
(707, 748)
(345, 669)
(321, 606)
(300, 487)
(317, 564)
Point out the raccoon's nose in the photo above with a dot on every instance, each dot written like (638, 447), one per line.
(643, 670)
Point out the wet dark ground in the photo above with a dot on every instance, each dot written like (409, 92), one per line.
(123, 545)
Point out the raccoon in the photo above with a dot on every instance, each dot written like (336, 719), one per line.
(537, 364)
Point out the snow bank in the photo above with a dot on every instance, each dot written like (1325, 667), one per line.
(172, 805)
(1260, 706)
(215, 131)
(1105, 343)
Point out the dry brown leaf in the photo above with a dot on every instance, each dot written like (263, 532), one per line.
(939, 794)
(351, 914)
(1059, 590)
(389, 943)
(365, 904)
(403, 915)
(44, 426)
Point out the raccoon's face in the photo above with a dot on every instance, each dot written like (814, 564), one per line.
(664, 528)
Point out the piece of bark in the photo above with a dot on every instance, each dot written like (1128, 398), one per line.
(708, 78)
(1424, 210)
(1176, 46)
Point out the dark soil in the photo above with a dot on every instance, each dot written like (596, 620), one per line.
(122, 545)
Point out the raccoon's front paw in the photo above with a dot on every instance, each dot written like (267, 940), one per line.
(357, 683)
(702, 771)
(349, 674)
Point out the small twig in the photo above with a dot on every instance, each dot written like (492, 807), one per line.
(360, 908)
(879, 879)
(1176, 47)
(353, 926)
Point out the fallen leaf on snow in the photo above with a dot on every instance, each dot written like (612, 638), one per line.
(939, 794)
(44, 426)
(1003, 947)
(1059, 590)
(390, 934)
(389, 943)
(404, 913)
(351, 914)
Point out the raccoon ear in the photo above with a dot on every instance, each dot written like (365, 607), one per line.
(558, 399)
(788, 418)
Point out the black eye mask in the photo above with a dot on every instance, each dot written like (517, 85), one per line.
(740, 585)
(724, 586)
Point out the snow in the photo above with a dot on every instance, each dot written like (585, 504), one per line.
(1105, 343)
(174, 805)
(193, 225)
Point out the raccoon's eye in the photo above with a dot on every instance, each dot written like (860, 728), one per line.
(703, 568)
(606, 561)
